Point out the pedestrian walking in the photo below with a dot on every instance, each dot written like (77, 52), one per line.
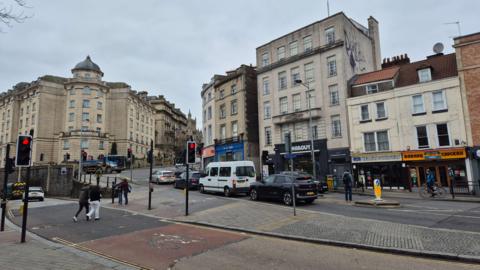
(82, 203)
(431, 182)
(123, 188)
(347, 183)
(98, 174)
(95, 196)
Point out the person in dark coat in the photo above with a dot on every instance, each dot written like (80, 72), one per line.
(347, 183)
(82, 202)
(123, 188)
(95, 196)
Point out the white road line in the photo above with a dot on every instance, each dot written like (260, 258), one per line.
(430, 213)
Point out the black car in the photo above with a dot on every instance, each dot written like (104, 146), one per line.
(193, 183)
(279, 187)
(321, 185)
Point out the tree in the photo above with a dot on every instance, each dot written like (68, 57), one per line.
(9, 16)
(113, 151)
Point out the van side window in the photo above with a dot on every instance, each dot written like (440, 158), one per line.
(225, 171)
(213, 171)
(245, 171)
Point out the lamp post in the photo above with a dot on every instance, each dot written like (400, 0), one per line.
(310, 126)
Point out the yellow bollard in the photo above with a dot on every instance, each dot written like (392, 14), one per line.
(377, 190)
(20, 209)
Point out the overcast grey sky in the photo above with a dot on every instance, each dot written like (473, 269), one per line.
(173, 47)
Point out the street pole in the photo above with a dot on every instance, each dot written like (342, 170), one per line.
(311, 134)
(186, 191)
(150, 178)
(25, 205)
(131, 167)
(5, 181)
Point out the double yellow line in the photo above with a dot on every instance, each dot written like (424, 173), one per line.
(85, 249)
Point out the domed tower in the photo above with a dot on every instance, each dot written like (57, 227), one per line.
(87, 69)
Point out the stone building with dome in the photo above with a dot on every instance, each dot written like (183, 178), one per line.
(71, 115)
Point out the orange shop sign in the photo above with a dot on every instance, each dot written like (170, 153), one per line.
(441, 154)
(208, 152)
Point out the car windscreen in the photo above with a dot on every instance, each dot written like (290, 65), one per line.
(35, 189)
(196, 175)
(248, 171)
(168, 174)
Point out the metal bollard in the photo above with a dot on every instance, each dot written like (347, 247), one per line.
(90, 179)
(85, 178)
(113, 193)
(108, 180)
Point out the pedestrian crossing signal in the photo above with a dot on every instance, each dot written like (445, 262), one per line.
(24, 150)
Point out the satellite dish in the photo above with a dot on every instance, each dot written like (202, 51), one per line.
(438, 47)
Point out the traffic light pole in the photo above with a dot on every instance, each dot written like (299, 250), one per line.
(5, 181)
(150, 189)
(186, 191)
(25, 205)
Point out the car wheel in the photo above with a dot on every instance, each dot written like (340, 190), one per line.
(287, 198)
(226, 192)
(202, 189)
(253, 195)
(309, 201)
(41, 199)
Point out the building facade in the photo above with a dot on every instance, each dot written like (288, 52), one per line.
(407, 118)
(70, 117)
(324, 56)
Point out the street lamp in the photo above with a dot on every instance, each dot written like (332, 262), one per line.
(310, 126)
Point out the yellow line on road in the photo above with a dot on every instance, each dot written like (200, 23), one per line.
(85, 249)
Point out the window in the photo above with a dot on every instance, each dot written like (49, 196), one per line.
(131, 123)
(28, 109)
(309, 73)
(223, 113)
(21, 123)
(233, 108)
(417, 102)
(334, 99)
(234, 88)
(315, 132)
(209, 134)
(209, 95)
(99, 105)
(369, 141)
(33, 119)
(222, 93)
(336, 126)
(26, 122)
(381, 112)
(265, 60)
(85, 116)
(234, 129)
(311, 99)
(382, 141)
(364, 113)
(209, 113)
(296, 102)
(66, 144)
(282, 80)
(372, 88)
(422, 137)
(72, 104)
(84, 144)
(293, 48)
(101, 145)
(283, 105)
(285, 131)
(376, 140)
(72, 92)
(439, 101)
(331, 66)
(99, 118)
(213, 171)
(266, 86)
(225, 171)
(330, 35)
(295, 73)
(442, 133)
(266, 110)
(223, 132)
(424, 75)
(298, 133)
(71, 117)
(307, 43)
(84, 128)
(268, 136)
(86, 90)
(34, 107)
(280, 53)
(86, 103)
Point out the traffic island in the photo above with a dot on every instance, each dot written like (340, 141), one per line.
(378, 203)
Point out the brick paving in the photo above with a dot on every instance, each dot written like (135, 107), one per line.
(277, 219)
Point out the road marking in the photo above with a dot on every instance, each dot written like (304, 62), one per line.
(438, 214)
(85, 249)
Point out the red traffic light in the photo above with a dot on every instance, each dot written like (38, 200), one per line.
(191, 146)
(26, 141)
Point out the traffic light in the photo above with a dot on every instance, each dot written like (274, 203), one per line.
(264, 157)
(24, 150)
(191, 149)
(129, 153)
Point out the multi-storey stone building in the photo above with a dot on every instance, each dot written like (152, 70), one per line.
(231, 117)
(407, 118)
(324, 55)
(82, 112)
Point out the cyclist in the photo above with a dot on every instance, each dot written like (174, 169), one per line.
(430, 182)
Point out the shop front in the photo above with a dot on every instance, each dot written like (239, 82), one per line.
(338, 163)
(208, 155)
(448, 165)
(385, 166)
(229, 151)
(302, 158)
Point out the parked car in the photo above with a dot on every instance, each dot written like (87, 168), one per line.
(163, 177)
(192, 183)
(230, 177)
(279, 187)
(321, 185)
(36, 193)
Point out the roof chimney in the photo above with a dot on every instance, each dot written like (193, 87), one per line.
(396, 61)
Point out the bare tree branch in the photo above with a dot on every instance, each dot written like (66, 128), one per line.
(8, 16)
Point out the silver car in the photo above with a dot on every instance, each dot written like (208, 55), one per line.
(163, 177)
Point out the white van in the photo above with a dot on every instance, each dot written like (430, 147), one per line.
(230, 177)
